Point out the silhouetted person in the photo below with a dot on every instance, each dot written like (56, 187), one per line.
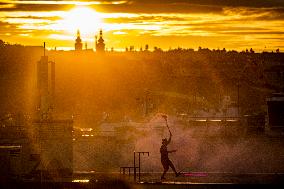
(166, 162)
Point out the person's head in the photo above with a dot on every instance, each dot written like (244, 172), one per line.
(164, 141)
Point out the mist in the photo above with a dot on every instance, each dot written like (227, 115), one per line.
(197, 151)
(231, 154)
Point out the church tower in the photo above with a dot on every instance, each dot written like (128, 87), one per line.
(100, 45)
(78, 42)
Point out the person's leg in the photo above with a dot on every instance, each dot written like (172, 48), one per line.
(173, 168)
(166, 168)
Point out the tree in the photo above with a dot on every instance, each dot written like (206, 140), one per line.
(2, 44)
(157, 49)
(146, 47)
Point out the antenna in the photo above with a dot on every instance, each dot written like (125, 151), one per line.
(43, 48)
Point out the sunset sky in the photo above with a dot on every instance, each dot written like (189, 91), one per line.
(230, 24)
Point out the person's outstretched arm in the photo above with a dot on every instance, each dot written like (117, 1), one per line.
(170, 138)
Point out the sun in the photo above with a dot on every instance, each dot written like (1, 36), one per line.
(82, 18)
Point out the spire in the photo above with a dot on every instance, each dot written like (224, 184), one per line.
(78, 33)
(101, 40)
(100, 45)
(78, 41)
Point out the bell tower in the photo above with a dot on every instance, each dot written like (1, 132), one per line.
(100, 45)
(78, 42)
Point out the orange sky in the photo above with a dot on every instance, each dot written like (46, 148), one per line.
(167, 24)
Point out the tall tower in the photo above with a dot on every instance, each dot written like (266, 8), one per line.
(45, 87)
(100, 45)
(53, 138)
(78, 42)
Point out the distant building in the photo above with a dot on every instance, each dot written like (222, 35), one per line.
(78, 42)
(100, 45)
(275, 112)
(274, 77)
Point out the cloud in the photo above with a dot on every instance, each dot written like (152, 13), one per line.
(254, 32)
(37, 7)
(16, 29)
(146, 6)
(51, 18)
(229, 3)
(6, 27)
(251, 22)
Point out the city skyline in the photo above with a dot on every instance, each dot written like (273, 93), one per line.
(166, 24)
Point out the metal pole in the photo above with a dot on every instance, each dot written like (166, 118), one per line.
(43, 48)
(238, 97)
(134, 166)
(146, 103)
(139, 165)
(52, 84)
